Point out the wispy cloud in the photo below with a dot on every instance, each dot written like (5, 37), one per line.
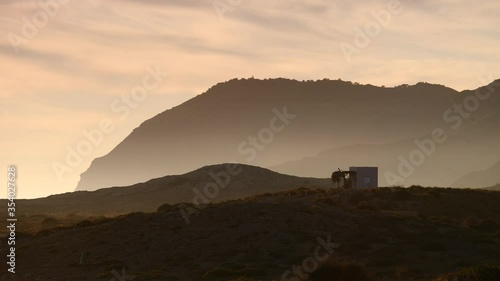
(96, 50)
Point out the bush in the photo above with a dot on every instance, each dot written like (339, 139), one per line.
(488, 225)
(433, 247)
(153, 275)
(83, 224)
(356, 197)
(401, 195)
(478, 273)
(166, 208)
(470, 222)
(50, 222)
(367, 207)
(340, 272)
(217, 273)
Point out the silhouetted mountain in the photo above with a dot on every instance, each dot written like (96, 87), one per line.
(307, 117)
(485, 178)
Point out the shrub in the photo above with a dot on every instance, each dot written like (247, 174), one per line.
(165, 208)
(470, 222)
(218, 273)
(487, 225)
(50, 222)
(82, 224)
(367, 207)
(478, 273)
(356, 197)
(401, 195)
(433, 247)
(234, 265)
(153, 275)
(497, 234)
(340, 272)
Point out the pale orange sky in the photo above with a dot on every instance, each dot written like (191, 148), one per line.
(89, 53)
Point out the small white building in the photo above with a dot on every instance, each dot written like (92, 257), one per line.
(366, 177)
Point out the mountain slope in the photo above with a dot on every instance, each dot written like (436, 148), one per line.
(496, 187)
(442, 164)
(486, 178)
(289, 119)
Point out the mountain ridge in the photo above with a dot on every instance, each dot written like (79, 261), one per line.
(210, 127)
(489, 177)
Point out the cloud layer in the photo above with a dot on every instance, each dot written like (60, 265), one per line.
(87, 53)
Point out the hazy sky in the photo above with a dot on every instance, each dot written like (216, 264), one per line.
(64, 66)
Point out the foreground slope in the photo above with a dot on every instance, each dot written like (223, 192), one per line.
(305, 118)
(410, 233)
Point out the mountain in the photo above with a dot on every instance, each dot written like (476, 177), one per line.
(273, 121)
(213, 184)
(486, 178)
(440, 168)
(496, 187)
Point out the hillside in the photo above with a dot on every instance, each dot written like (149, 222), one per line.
(244, 181)
(409, 234)
(485, 178)
(290, 119)
(496, 187)
(447, 162)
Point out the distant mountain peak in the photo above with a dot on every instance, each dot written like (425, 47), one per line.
(222, 125)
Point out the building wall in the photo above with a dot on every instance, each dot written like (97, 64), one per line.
(366, 177)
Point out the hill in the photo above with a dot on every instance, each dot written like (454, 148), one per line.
(486, 178)
(273, 121)
(441, 164)
(409, 234)
(213, 183)
(496, 187)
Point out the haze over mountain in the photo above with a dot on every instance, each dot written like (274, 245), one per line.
(484, 178)
(291, 120)
(391, 158)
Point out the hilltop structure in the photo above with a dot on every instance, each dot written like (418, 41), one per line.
(356, 177)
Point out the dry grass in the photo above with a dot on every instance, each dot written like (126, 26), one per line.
(386, 234)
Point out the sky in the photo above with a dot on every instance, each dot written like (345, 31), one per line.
(70, 68)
